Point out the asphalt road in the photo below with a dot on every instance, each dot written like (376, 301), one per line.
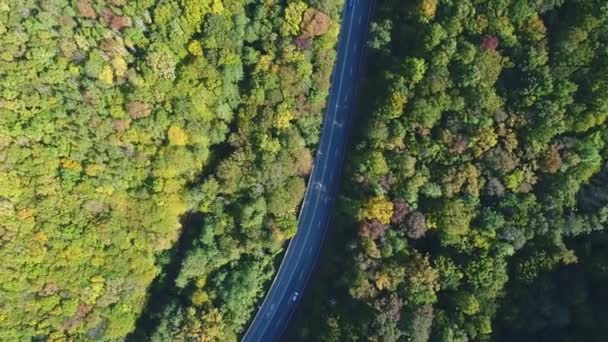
(303, 250)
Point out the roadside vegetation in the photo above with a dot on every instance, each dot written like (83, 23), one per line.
(120, 118)
(474, 200)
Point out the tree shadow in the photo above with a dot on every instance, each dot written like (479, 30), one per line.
(163, 291)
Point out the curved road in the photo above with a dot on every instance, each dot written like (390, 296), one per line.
(300, 257)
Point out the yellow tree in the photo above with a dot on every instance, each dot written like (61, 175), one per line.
(293, 18)
(379, 208)
(177, 136)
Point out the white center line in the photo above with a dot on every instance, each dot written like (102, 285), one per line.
(325, 164)
(330, 140)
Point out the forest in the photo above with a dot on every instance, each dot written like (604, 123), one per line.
(154, 153)
(152, 156)
(474, 203)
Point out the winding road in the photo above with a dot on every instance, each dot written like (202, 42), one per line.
(301, 255)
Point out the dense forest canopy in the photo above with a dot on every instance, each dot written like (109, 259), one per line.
(478, 158)
(153, 155)
(119, 117)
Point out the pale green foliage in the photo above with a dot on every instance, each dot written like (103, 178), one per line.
(111, 114)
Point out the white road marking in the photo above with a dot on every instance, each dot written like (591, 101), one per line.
(330, 134)
(325, 165)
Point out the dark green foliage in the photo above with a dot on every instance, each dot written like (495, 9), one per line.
(487, 118)
(566, 303)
